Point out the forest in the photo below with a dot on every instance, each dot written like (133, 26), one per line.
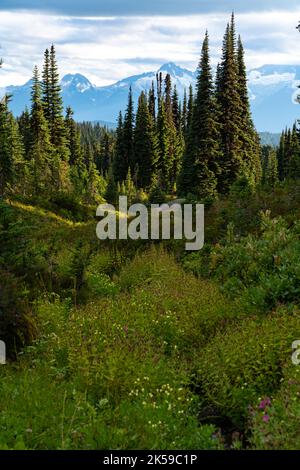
(141, 344)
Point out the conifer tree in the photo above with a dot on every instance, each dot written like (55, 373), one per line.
(294, 159)
(6, 158)
(73, 139)
(249, 137)
(281, 157)
(152, 103)
(230, 109)
(128, 128)
(184, 114)
(24, 127)
(202, 155)
(120, 164)
(165, 163)
(46, 87)
(145, 145)
(176, 110)
(40, 149)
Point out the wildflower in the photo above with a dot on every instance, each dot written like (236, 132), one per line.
(266, 418)
(264, 404)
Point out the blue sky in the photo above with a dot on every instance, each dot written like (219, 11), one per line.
(109, 40)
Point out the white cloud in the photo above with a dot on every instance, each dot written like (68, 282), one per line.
(106, 49)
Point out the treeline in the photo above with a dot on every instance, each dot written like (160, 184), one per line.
(282, 163)
(201, 146)
(44, 151)
(163, 147)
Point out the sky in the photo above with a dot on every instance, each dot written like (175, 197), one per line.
(112, 39)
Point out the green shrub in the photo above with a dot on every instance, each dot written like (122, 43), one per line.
(246, 363)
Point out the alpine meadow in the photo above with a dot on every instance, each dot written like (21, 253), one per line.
(141, 344)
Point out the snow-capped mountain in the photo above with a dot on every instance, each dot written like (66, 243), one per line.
(272, 89)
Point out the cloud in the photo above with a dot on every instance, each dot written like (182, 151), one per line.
(109, 48)
(144, 8)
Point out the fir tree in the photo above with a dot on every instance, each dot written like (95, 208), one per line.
(152, 103)
(202, 154)
(73, 139)
(120, 164)
(176, 110)
(6, 158)
(249, 137)
(128, 129)
(145, 145)
(40, 148)
(24, 127)
(230, 109)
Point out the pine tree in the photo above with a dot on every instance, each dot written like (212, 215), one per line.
(24, 127)
(249, 137)
(230, 109)
(176, 110)
(128, 128)
(16, 149)
(106, 154)
(294, 159)
(152, 103)
(145, 145)
(281, 157)
(165, 163)
(270, 166)
(184, 114)
(73, 139)
(201, 162)
(120, 164)
(6, 158)
(41, 149)
(46, 87)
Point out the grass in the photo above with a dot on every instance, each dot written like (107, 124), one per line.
(135, 351)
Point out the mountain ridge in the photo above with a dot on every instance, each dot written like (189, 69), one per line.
(272, 91)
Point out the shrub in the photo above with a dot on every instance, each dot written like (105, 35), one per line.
(17, 326)
(246, 363)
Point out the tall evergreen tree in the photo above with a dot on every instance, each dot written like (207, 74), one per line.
(6, 159)
(152, 102)
(145, 145)
(128, 128)
(201, 163)
(73, 139)
(120, 163)
(249, 137)
(230, 109)
(40, 149)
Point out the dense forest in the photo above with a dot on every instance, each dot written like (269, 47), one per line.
(141, 345)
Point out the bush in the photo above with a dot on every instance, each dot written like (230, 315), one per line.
(17, 327)
(246, 363)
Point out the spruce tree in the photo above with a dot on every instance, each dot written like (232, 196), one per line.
(6, 158)
(230, 109)
(165, 163)
(120, 164)
(176, 110)
(152, 102)
(41, 149)
(249, 137)
(24, 127)
(128, 129)
(145, 145)
(281, 156)
(73, 139)
(294, 160)
(202, 155)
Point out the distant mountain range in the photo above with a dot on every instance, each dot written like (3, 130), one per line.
(272, 89)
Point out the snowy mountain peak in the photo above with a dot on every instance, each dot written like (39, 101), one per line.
(175, 71)
(76, 82)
